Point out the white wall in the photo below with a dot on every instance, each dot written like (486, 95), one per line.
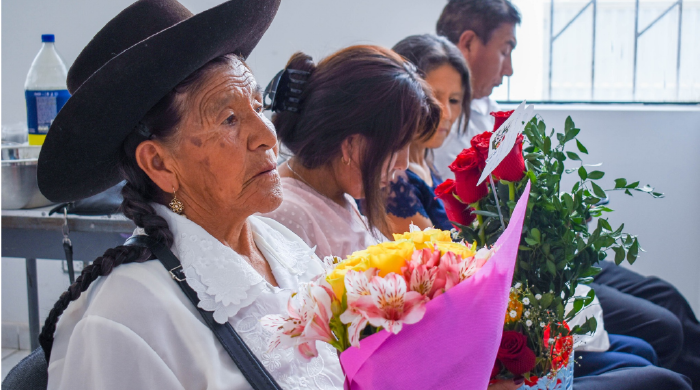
(655, 145)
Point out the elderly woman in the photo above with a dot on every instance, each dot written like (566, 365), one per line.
(163, 100)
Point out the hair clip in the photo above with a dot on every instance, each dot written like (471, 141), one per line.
(284, 90)
(142, 129)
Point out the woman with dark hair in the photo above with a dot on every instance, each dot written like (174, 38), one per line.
(348, 122)
(411, 198)
(165, 101)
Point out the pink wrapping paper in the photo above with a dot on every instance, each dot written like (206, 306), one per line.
(454, 346)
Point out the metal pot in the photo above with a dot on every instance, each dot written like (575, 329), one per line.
(19, 186)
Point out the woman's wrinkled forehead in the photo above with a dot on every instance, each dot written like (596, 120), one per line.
(229, 84)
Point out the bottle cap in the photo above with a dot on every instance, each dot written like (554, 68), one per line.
(48, 38)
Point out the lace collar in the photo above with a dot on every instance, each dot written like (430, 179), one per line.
(225, 283)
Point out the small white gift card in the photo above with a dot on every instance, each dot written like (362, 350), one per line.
(503, 139)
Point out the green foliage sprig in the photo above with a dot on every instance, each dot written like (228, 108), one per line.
(557, 250)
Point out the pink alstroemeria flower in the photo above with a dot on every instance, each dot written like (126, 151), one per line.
(420, 272)
(356, 287)
(308, 320)
(389, 305)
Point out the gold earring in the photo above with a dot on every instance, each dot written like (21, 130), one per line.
(176, 205)
(346, 162)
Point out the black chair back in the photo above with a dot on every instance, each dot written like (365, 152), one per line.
(29, 374)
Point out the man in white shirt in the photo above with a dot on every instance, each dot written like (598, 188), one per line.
(484, 31)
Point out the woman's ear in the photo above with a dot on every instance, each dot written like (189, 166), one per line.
(352, 148)
(152, 158)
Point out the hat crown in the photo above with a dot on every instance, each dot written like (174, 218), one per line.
(135, 23)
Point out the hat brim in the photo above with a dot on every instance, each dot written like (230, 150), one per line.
(80, 156)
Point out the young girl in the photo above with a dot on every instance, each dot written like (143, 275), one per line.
(411, 197)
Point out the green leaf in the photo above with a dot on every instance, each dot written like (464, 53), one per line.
(633, 252)
(598, 191)
(547, 147)
(485, 213)
(578, 305)
(589, 297)
(573, 156)
(595, 175)
(531, 241)
(568, 124)
(546, 300)
(581, 148)
(633, 185)
(582, 173)
(605, 224)
(619, 254)
(620, 183)
(568, 201)
(535, 233)
(551, 268)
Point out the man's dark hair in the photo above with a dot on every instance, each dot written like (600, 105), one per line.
(480, 16)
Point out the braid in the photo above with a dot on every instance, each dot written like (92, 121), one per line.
(136, 208)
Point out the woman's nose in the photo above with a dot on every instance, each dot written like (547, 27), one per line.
(262, 134)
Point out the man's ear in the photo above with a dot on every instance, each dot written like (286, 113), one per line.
(151, 157)
(467, 41)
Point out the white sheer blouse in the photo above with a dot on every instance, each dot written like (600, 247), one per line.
(332, 229)
(135, 329)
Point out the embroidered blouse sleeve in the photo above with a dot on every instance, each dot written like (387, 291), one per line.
(404, 199)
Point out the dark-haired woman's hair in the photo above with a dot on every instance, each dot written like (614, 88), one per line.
(138, 192)
(428, 52)
(366, 90)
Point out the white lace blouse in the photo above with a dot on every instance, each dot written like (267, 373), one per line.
(135, 329)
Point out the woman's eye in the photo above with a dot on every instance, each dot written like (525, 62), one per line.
(231, 120)
(259, 109)
(454, 101)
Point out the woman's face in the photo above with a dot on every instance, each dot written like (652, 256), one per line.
(446, 84)
(225, 155)
(351, 178)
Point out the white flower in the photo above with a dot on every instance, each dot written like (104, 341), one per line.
(513, 313)
(528, 323)
(538, 296)
(526, 301)
(542, 324)
(517, 285)
(527, 313)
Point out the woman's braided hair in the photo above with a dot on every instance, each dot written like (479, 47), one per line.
(139, 192)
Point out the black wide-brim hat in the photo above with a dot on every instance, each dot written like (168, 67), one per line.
(130, 64)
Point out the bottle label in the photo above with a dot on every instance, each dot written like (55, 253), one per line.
(42, 108)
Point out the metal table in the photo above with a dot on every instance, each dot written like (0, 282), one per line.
(33, 234)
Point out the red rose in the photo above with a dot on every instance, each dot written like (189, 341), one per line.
(512, 168)
(496, 369)
(467, 172)
(480, 143)
(456, 211)
(514, 353)
(501, 117)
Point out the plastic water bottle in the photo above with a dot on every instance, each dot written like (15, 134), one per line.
(45, 90)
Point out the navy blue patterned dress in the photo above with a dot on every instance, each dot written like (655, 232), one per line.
(410, 195)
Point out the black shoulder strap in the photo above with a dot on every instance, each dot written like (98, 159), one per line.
(247, 362)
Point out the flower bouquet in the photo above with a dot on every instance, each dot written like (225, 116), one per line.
(421, 307)
(556, 252)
